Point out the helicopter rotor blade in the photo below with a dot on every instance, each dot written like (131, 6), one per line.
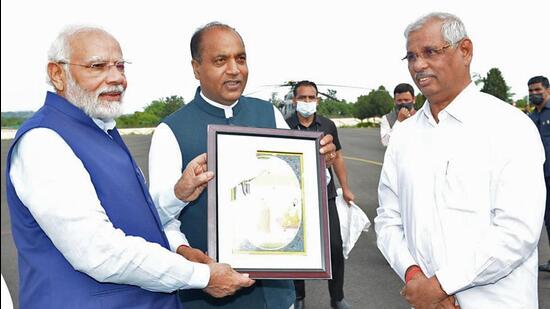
(329, 96)
(343, 86)
(292, 83)
(253, 92)
(264, 87)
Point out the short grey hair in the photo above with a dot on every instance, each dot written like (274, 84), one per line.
(452, 28)
(60, 50)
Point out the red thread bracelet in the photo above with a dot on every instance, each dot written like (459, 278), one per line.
(411, 272)
(182, 245)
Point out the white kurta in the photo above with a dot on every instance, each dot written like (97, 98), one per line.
(464, 199)
(56, 188)
(165, 166)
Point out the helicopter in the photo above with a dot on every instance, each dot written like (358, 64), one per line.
(287, 108)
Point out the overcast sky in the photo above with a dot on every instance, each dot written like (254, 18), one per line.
(354, 43)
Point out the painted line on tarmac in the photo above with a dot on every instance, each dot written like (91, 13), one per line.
(363, 160)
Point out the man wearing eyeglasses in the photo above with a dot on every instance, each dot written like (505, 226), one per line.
(219, 62)
(85, 227)
(403, 96)
(454, 220)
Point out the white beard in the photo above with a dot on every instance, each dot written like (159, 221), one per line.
(90, 103)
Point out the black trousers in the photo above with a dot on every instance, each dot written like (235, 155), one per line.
(547, 212)
(336, 284)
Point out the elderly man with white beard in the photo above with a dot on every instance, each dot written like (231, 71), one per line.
(85, 227)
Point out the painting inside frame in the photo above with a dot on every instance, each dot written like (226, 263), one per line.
(267, 203)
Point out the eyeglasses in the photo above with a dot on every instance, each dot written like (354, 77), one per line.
(427, 53)
(101, 67)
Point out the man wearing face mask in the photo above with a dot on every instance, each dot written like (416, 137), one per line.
(403, 96)
(306, 100)
(539, 95)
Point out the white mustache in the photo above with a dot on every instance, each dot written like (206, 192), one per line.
(108, 89)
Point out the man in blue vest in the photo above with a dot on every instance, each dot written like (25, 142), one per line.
(539, 96)
(85, 227)
(219, 63)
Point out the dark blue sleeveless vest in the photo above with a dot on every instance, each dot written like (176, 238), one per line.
(189, 125)
(46, 279)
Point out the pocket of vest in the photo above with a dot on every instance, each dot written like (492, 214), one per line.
(118, 289)
(135, 298)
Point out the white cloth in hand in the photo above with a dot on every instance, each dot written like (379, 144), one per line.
(352, 222)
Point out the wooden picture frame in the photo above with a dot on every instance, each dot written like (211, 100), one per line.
(267, 204)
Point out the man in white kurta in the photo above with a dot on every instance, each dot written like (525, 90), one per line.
(457, 197)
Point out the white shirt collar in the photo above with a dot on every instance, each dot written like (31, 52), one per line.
(227, 109)
(458, 108)
(461, 108)
(105, 125)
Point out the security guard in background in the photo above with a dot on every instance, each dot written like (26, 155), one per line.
(305, 118)
(539, 95)
(403, 96)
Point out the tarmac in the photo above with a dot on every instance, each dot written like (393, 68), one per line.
(369, 280)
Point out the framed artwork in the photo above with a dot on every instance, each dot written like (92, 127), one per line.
(267, 204)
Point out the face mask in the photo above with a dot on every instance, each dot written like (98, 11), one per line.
(408, 106)
(306, 109)
(535, 98)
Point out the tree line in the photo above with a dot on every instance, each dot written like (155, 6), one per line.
(374, 104)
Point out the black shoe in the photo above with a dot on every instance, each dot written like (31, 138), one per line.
(339, 304)
(299, 304)
(545, 267)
